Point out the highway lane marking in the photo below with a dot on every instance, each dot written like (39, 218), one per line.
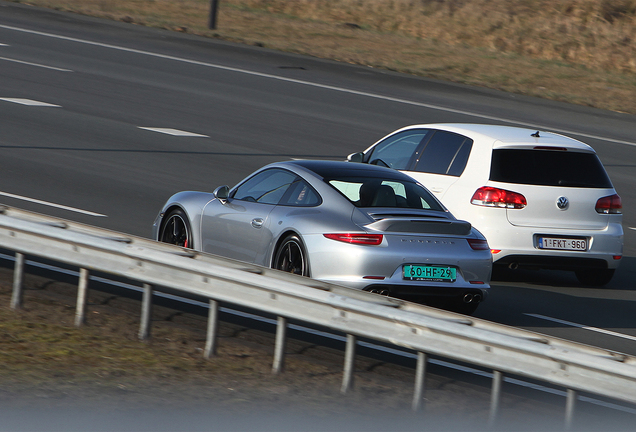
(35, 64)
(317, 85)
(50, 204)
(582, 326)
(174, 132)
(28, 102)
(1, 44)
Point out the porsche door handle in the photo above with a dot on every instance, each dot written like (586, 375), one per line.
(257, 223)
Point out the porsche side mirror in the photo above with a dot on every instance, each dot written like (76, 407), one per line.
(221, 193)
(356, 157)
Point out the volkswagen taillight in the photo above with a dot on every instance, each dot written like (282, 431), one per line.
(609, 205)
(494, 197)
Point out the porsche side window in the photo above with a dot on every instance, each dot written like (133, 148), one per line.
(300, 194)
(266, 187)
(396, 151)
(445, 153)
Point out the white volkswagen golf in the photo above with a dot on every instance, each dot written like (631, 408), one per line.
(542, 200)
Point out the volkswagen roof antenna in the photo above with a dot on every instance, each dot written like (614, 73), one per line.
(536, 134)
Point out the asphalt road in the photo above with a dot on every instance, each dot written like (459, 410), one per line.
(80, 101)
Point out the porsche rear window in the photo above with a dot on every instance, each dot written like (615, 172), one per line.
(548, 168)
(376, 192)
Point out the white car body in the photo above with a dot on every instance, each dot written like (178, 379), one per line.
(579, 237)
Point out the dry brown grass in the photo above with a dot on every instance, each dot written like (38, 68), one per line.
(579, 51)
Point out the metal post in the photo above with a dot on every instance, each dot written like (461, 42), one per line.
(80, 310)
(17, 298)
(279, 352)
(495, 398)
(210, 341)
(214, 11)
(146, 313)
(420, 381)
(570, 405)
(350, 354)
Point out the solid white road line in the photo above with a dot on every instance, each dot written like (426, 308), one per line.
(583, 326)
(175, 132)
(322, 86)
(46, 203)
(35, 64)
(28, 102)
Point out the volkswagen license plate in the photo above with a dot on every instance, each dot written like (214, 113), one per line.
(429, 273)
(572, 244)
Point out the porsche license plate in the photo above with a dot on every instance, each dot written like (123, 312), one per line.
(429, 273)
(573, 244)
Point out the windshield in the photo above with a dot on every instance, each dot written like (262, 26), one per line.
(377, 192)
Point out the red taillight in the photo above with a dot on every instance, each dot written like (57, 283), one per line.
(478, 244)
(363, 239)
(494, 197)
(609, 205)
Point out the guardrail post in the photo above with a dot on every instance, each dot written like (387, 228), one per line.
(213, 321)
(350, 355)
(420, 381)
(146, 313)
(80, 310)
(570, 405)
(495, 398)
(279, 351)
(17, 299)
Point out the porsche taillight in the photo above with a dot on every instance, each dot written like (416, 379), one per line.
(360, 239)
(478, 244)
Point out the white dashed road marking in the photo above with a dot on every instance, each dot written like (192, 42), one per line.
(317, 85)
(28, 102)
(175, 132)
(583, 326)
(35, 64)
(50, 204)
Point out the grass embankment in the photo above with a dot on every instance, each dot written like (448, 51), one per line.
(577, 51)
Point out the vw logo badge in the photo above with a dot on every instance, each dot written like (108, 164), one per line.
(562, 203)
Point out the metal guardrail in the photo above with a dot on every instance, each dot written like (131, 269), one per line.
(425, 330)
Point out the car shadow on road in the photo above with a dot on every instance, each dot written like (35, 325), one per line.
(624, 278)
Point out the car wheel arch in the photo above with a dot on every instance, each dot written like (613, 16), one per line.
(167, 212)
(281, 238)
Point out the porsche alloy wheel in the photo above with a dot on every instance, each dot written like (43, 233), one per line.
(176, 229)
(291, 257)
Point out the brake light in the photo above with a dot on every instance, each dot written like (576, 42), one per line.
(495, 197)
(609, 205)
(478, 244)
(362, 239)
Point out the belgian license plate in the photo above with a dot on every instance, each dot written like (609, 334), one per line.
(429, 273)
(573, 244)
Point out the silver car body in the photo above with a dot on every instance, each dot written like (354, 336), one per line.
(253, 232)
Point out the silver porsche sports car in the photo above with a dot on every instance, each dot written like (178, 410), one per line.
(362, 226)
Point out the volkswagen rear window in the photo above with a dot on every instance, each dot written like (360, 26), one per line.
(548, 168)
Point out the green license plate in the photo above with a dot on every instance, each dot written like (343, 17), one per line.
(430, 273)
